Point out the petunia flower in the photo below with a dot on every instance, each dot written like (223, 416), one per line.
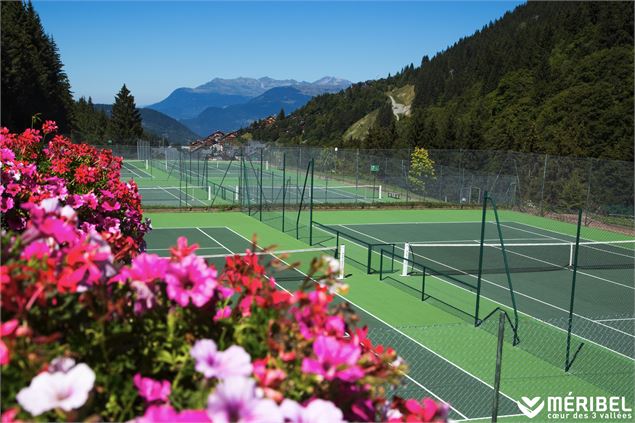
(48, 391)
(191, 279)
(152, 390)
(166, 414)
(235, 400)
(317, 411)
(234, 361)
(335, 359)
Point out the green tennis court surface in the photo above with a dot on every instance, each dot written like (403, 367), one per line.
(604, 298)
(468, 396)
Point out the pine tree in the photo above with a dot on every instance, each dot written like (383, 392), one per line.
(125, 120)
(33, 79)
(281, 115)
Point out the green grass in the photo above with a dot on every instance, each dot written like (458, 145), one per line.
(525, 372)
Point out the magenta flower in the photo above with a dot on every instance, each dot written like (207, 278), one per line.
(234, 361)
(65, 390)
(166, 414)
(335, 360)
(145, 268)
(235, 400)
(222, 313)
(317, 411)
(49, 126)
(152, 390)
(190, 279)
(37, 249)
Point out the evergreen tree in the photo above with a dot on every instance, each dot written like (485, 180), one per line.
(89, 124)
(125, 120)
(281, 115)
(33, 79)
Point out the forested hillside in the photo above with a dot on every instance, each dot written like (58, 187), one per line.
(553, 77)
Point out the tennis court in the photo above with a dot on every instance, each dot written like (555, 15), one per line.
(468, 396)
(539, 261)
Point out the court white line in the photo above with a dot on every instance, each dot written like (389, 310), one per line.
(186, 194)
(401, 223)
(414, 340)
(616, 320)
(199, 249)
(524, 295)
(213, 239)
(571, 270)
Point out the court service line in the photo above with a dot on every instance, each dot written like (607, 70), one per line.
(520, 293)
(214, 239)
(186, 194)
(581, 240)
(561, 240)
(615, 320)
(395, 329)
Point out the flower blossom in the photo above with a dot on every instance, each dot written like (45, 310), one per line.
(335, 359)
(48, 391)
(234, 361)
(166, 414)
(152, 390)
(235, 400)
(191, 279)
(317, 411)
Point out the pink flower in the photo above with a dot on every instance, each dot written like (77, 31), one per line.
(49, 126)
(152, 390)
(191, 279)
(235, 400)
(335, 360)
(6, 204)
(48, 391)
(145, 268)
(166, 414)
(6, 329)
(234, 361)
(316, 411)
(222, 313)
(37, 249)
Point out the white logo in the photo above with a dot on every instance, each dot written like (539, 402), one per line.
(528, 407)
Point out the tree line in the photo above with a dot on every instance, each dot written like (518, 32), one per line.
(34, 85)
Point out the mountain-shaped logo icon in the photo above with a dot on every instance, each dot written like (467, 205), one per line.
(530, 407)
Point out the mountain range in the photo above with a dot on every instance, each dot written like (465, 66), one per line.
(229, 104)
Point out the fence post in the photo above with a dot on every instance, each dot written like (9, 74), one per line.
(284, 185)
(569, 360)
(542, 189)
(480, 261)
(499, 362)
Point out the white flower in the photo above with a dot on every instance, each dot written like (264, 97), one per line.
(48, 391)
(316, 411)
(333, 264)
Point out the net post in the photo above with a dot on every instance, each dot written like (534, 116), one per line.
(499, 362)
(423, 285)
(311, 204)
(369, 258)
(380, 192)
(342, 259)
(284, 187)
(236, 195)
(147, 164)
(480, 261)
(260, 183)
(406, 254)
(571, 247)
(381, 265)
(569, 360)
(209, 193)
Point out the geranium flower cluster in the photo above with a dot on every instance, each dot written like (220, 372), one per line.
(91, 334)
(37, 164)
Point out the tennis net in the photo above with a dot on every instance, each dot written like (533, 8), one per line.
(463, 258)
(288, 265)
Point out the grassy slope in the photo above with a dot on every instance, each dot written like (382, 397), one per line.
(358, 130)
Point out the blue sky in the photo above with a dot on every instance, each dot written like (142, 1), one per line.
(155, 47)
